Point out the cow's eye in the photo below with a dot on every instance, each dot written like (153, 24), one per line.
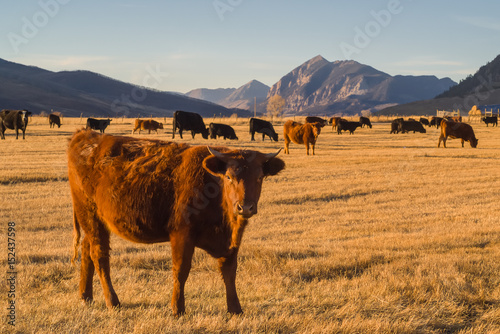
(228, 177)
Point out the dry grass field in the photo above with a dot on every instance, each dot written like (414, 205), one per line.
(376, 233)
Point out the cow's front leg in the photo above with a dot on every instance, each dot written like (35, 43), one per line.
(182, 255)
(227, 267)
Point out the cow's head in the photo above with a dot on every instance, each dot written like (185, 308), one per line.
(160, 125)
(204, 133)
(24, 116)
(316, 128)
(473, 142)
(241, 173)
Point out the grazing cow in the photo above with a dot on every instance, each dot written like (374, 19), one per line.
(334, 121)
(54, 120)
(301, 134)
(424, 121)
(151, 191)
(98, 124)
(148, 124)
(457, 130)
(264, 127)
(490, 120)
(407, 126)
(14, 120)
(221, 130)
(365, 121)
(184, 120)
(314, 119)
(396, 125)
(347, 126)
(435, 121)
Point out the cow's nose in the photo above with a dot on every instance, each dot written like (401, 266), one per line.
(246, 209)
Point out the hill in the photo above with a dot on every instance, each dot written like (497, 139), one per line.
(482, 88)
(242, 97)
(321, 87)
(76, 93)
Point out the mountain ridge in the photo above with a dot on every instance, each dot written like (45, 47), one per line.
(86, 93)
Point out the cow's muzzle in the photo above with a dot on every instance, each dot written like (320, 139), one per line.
(246, 209)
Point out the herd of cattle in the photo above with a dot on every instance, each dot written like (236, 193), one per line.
(295, 132)
(151, 191)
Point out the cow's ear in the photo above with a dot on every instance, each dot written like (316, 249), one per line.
(215, 165)
(273, 166)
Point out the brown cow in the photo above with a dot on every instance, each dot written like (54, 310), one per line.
(301, 134)
(148, 124)
(455, 130)
(150, 191)
(334, 121)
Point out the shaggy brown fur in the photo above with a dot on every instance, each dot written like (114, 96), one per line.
(151, 191)
(301, 134)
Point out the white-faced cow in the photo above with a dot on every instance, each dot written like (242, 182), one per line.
(151, 191)
(15, 120)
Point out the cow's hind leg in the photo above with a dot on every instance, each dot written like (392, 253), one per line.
(182, 255)
(227, 267)
(99, 253)
(86, 272)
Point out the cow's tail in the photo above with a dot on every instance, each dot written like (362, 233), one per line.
(76, 239)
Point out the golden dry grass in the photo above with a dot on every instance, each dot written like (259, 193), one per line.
(376, 233)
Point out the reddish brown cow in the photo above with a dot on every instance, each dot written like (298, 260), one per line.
(147, 125)
(334, 121)
(150, 191)
(455, 130)
(301, 134)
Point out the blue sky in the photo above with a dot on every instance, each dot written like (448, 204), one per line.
(181, 45)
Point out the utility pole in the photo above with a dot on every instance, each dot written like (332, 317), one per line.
(255, 106)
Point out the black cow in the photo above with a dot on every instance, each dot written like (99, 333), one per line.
(264, 127)
(221, 130)
(490, 120)
(314, 119)
(365, 121)
(14, 120)
(435, 121)
(347, 126)
(184, 120)
(424, 121)
(98, 124)
(396, 125)
(54, 120)
(407, 126)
